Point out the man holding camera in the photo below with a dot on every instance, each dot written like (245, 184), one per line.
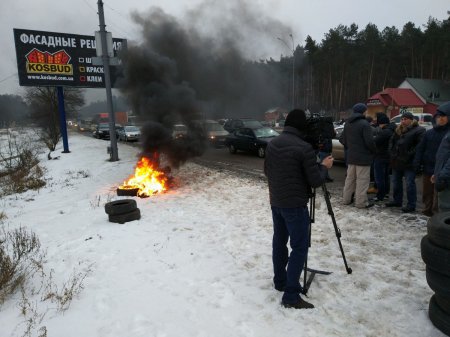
(292, 170)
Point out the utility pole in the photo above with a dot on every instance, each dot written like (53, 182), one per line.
(106, 70)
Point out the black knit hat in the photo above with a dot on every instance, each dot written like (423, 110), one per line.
(297, 119)
(408, 115)
(359, 108)
(382, 118)
(444, 109)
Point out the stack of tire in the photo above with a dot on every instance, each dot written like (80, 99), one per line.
(435, 248)
(121, 211)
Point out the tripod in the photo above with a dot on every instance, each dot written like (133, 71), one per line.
(312, 213)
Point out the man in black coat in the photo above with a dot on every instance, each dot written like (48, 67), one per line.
(357, 138)
(425, 158)
(441, 176)
(402, 149)
(382, 135)
(292, 170)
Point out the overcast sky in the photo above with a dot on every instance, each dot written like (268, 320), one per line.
(301, 17)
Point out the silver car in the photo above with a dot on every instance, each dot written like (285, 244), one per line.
(128, 133)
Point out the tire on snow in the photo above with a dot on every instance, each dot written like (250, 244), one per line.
(438, 282)
(438, 228)
(436, 258)
(120, 206)
(125, 217)
(443, 302)
(438, 317)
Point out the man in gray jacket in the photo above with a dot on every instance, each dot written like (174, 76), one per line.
(357, 138)
(292, 170)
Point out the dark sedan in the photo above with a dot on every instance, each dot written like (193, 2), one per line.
(251, 140)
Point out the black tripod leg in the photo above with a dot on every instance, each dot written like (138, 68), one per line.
(336, 228)
(312, 211)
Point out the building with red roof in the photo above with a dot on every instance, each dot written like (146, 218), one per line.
(393, 100)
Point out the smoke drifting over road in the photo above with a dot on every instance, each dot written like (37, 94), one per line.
(200, 67)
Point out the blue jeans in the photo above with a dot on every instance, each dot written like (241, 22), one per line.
(397, 182)
(381, 171)
(293, 224)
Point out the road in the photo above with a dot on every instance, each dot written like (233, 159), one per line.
(250, 164)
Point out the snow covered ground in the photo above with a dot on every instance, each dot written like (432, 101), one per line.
(198, 262)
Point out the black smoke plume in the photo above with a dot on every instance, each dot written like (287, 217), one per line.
(198, 68)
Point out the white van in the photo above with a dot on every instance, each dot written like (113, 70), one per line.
(424, 119)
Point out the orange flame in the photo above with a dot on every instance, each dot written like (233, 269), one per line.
(147, 178)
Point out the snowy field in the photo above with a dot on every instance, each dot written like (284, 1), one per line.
(198, 262)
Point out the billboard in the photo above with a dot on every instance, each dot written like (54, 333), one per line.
(57, 59)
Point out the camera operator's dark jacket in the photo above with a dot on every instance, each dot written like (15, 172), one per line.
(357, 138)
(402, 146)
(381, 138)
(291, 169)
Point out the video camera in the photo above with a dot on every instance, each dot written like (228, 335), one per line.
(319, 128)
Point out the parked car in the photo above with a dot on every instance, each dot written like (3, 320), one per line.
(213, 131)
(101, 131)
(338, 151)
(232, 125)
(128, 133)
(179, 131)
(251, 140)
(338, 129)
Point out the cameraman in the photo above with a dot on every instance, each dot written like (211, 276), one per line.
(291, 169)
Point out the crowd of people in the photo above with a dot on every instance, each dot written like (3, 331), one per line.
(397, 153)
(293, 168)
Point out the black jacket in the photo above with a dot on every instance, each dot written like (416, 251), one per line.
(357, 139)
(291, 169)
(427, 148)
(402, 146)
(381, 138)
(442, 169)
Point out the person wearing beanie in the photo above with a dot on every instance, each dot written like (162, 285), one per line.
(292, 170)
(357, 139)
(359, 108)
(425, 159)
(408, 115)
(402, 150)
(383, 134)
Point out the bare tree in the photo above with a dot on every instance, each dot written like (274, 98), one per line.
(43, 102)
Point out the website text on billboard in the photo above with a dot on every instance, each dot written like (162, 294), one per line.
(58, 59)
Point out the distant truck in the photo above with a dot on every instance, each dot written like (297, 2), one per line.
(121, 117)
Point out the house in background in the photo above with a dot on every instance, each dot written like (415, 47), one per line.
(394, 101)
(415, 95)
(432, 92)
(272, 116)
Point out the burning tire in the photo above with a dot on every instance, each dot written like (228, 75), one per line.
(438, 229)
(118, 207)
(439, 317)
(435, 257)
(126, 217)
